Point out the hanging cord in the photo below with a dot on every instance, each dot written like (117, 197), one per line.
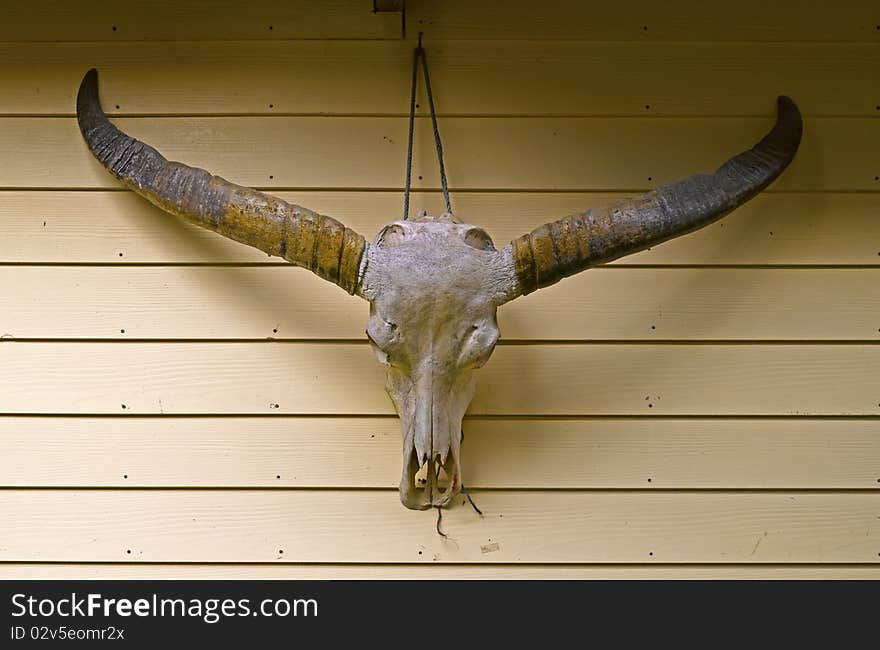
(419, 53)
(412, 114)
(464, 490)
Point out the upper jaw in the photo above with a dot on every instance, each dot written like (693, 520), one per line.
(431, 409)
(431, 494)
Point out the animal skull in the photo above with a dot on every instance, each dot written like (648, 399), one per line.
(433, 286)
(434, 283)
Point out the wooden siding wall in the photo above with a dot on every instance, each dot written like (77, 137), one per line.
(177, 405)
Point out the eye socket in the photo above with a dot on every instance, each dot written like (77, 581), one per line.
(477, 358)
(479, 239)
(381, 355)
(479, 347)
(382, 333)
(391, 235)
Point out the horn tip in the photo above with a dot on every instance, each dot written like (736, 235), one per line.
(90, 77)
(89, 84)
(88, 106)
(786, 107)
(789, 124)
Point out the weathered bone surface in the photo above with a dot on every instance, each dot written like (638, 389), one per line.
(433, 286)
(433, 283)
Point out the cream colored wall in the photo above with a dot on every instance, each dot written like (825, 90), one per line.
(178, 405)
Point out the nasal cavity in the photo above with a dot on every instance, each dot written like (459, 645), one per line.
(441, 479)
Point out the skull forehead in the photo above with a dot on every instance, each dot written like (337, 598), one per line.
(433, 258)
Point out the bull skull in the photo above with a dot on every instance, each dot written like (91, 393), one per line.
(434, 283)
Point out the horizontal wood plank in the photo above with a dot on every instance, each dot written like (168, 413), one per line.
(162, 20)
(121, 228)
(289, 303)
(482, 153)
(559, 19)
(129, 571)
(372, 526)
(471, 77)
(344, 378)
(498, 453)
(643, 20)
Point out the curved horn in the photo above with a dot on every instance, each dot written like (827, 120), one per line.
(302, 237)
(572, 244)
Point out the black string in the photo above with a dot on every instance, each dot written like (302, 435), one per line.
(412, 114)
(420, 53)
(437, 143)
(463, 489)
